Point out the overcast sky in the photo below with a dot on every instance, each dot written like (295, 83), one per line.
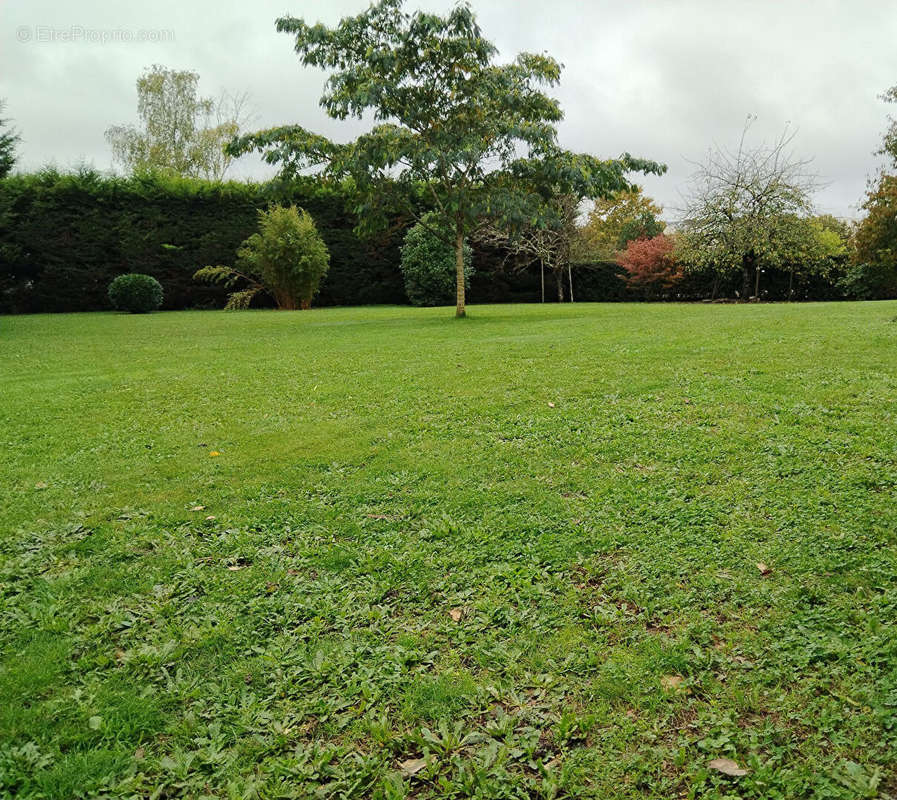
(663, 79)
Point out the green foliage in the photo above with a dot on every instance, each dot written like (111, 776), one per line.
(287, 258)
(65, 236)
(864, 281)
(135, 293)
(476, 138)
(180, 132)
(9, 138)
(644, 226)
(287, 254)
(428, 263)
(276, 620)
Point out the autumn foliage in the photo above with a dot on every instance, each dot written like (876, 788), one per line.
(650, 263)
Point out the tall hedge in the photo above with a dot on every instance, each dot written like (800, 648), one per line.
(64, 237)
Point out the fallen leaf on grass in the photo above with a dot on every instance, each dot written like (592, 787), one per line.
(214, 453)
(727, 766)
(198, 508)
(40, 485)
(456, 614)
(550, 404)
(235, 567)
(764, 569)
(209, 518)
(412, 766)
(672, 682)
(139, 753)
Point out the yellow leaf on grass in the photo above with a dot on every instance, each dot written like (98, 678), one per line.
(214, 453)
(456, 614)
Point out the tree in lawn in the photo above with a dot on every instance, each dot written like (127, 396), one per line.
(650, 265)
(548, 243)
(469, 137)
(741, 209)
(9, 138)
(181, 133)
(287, 258)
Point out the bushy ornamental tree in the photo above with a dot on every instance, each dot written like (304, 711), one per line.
(287, 258)
(650, 264)
(135, 293)
(428, 264)
(470, 137)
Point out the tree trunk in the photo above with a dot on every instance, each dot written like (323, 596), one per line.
(460, 311)
(542, 270)
(747, 264)
(559, 278)
(285, 301)
(570, 279)
(791, 285)
(757, 281)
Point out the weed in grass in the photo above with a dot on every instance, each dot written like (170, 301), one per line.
(533, 575)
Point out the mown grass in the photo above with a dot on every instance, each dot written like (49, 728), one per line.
(522, 547)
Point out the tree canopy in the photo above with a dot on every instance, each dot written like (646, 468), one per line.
(455, 130)
(618, 219)
(180, 132)
(889, 143)
(9, 138)
(745, 208)
(874, 271)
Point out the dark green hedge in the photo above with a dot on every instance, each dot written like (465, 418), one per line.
(64, 237)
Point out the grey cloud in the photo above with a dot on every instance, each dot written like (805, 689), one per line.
(662, 79)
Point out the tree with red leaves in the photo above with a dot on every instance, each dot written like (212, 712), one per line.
(650, 264)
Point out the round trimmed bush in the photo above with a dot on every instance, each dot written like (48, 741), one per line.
(138, 294)
(428, 263)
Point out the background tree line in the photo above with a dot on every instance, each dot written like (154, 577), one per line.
(479, 171)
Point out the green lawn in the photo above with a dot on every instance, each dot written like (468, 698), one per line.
(283, 554)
